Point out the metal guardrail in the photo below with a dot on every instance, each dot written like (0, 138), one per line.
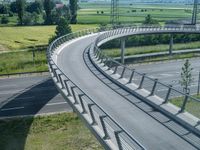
(108, 129)
(155, 87)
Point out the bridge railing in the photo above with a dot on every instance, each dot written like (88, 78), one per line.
(168, 93)
(98, 120)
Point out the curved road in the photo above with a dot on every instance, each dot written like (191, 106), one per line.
(147, 130)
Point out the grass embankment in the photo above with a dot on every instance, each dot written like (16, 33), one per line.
(192, 106)
(57, 132)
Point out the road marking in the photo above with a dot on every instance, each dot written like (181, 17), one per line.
(167, 75)
(14, 108)
(51, 104)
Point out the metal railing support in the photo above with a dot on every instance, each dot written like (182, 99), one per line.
(154, 87)
(168, 94)
(81, 101)
(67, 87)
(184, 103)
(74, 95)
(92, 114)
(132, 75)
(106, 136)
(115, 71)
(123, 71)
(61, 82)
(142, 81)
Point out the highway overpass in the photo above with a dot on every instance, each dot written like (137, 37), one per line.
(121, 113)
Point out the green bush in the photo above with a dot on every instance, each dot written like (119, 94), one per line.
(4, 20)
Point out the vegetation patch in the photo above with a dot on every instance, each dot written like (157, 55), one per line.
(57, 132)
(191, 106)
(23, 61)
(15, 38)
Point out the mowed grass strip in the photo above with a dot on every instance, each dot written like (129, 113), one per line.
(56, 132)
(115, 52)
(192, 106)
(13, 38)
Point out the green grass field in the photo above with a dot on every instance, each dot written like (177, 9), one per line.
(150, 49)
(91, 12)
(14, 38)
(192, 107)
(57, 132)
(17, 62)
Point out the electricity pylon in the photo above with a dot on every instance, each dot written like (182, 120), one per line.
(195, 11)
(114, 18)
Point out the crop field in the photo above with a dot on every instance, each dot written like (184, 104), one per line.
(14, 38)
(100, 13)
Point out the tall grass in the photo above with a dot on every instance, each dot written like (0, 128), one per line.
(16, 62)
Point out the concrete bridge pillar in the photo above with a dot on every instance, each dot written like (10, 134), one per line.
(123, 44)
(171, 44)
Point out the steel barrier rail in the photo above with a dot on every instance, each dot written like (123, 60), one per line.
(107, 131)
(144, 30)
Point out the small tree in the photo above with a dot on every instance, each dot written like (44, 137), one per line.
(62, 28)
(150, 20)
(186, 76)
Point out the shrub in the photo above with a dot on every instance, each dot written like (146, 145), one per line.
(4, 20)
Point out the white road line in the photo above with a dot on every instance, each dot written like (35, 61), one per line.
(51, 104)
(14, 108)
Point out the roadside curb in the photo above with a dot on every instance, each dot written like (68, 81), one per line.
(23, 74)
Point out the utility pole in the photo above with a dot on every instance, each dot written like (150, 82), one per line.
(114, 18)
(194, 14)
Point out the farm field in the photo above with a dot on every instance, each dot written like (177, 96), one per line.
(15, 38)
(100, 13)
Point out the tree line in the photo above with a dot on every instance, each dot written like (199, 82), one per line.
(29, 13)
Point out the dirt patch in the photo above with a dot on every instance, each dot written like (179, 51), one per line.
(3, 48)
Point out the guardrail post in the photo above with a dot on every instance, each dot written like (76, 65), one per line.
(184, 103)
(91, 114)
(154, 87)
(110, 65)
(55, 74)
(105, 61)
(168, 94)
(132, 75)
(82, 105)
(67, 87)
(122, 50)
(59, 75)
(106, 136)
(117, 139)
(142, 81)
(123, 71)
(74, 95)
(115, 71)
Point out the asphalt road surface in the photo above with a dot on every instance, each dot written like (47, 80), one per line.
(30, 96)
